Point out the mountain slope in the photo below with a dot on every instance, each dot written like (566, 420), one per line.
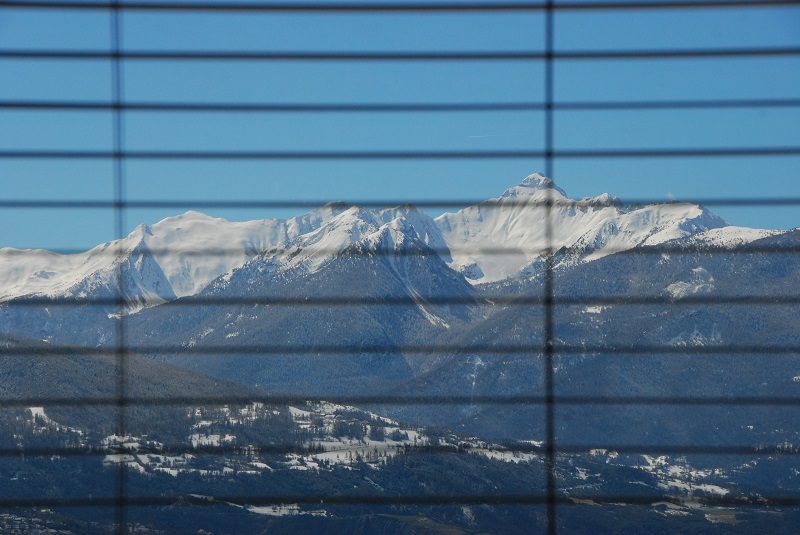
(193, 248)
(27, 370)
(356, 257)
(677, 348)
(590, 228)
(94, 273)
(175, 257)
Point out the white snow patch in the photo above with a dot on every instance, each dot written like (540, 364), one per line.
(283, 510)
(700, 282)
(201, 440)
(594, 309)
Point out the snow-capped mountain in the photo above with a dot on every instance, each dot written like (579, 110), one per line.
(181, 255)
(193, 249)
(361, 254)
(503, 238)
(381, 231)
(175, 257)
(92, 274)
(591, 227)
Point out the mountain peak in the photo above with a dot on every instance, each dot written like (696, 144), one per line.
(142, 230)
(193, 214)
(539, 181)
(532, 185)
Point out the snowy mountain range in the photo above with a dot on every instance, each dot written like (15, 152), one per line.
(392, 304)
(504, 238)
(175, 257)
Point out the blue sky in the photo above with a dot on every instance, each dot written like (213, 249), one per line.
(393, 82)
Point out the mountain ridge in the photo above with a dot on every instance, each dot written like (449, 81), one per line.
(592, 227)
(504, 238)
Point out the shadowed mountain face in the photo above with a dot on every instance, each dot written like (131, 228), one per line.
(690, 323)
(377, 301)
(89, 385)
